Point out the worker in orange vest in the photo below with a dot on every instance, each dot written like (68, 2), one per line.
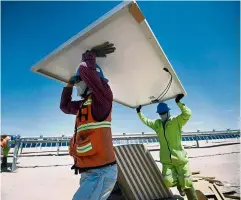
(5, 149)
(91, 145)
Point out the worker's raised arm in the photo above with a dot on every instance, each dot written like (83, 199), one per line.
(66, 104)
(150, 123)
(186, 112)
(100, 89)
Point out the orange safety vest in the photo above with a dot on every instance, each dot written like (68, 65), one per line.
(91, 145)
(4, 141)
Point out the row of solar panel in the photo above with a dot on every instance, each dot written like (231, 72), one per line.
(133, 141)
(210, 137)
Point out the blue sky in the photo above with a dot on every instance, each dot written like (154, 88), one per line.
(201, 40)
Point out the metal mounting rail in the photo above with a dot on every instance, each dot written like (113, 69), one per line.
(63, 141)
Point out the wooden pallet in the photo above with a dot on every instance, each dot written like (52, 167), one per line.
(218, 194)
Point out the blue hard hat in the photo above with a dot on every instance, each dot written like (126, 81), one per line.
(162, 108)
(99, 70)
(13, 137)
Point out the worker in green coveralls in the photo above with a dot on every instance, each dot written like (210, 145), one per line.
(176, 171)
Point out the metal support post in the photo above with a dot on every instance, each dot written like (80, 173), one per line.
(15, 154)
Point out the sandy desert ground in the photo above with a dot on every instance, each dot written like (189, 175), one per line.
(50, 177)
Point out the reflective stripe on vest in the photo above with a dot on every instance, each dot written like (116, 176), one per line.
(88, 102)
(104, 124)
(84, 148)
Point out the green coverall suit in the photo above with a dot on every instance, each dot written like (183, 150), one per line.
(172, 155)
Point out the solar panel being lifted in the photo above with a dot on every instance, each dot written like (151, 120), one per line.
(135, 70)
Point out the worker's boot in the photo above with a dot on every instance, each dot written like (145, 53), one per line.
(181, 192)
(4, 162)
(191, 193)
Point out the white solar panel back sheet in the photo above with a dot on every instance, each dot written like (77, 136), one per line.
(135, 69)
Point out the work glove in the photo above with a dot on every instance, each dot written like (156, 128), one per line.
(103, 49)
(138, 109)
(179, 97)
(74, 79)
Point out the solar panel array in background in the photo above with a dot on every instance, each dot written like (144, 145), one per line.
(136, 140)
(139, 177)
